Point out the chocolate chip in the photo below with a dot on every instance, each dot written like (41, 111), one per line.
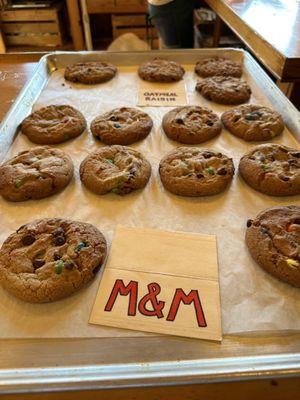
(249, 223)
(58, 232)
(222, 171)
(297, 221)
(59, 240)
(297, 155)
(284, 178)
(253, 116)
(199, 176)
(283, 149)
(179, 121)
(69, 265)
(264, 231)
(207, 154)
(56, 256)
(27, 240)
(21, 227)
(209, 123)
(38, 263)
(293, 162)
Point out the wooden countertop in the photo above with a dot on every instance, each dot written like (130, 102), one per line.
(270, 28)
(15, 70)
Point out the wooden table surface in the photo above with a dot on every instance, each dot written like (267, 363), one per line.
(271, 30)
(15, 71)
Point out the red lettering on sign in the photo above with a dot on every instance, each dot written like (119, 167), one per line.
(120, 288)
(192, 297)
(153, 291)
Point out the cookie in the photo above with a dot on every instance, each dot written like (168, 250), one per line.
(194, 171)
(49, 259)
(116, 169)
(273, 239)
(90, 72)
(53, 124)
(218, 66)
(35, 174)
(252, 122)
(272, 169)
(123, 126)
(191, 124)
(224, 90)
(159, 70)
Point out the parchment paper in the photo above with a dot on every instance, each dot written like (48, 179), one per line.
(251, 299)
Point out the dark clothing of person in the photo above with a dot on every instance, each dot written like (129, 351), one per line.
(174, 22)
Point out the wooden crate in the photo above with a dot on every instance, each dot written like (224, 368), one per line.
(134, 23)
(37, 27)
(129, 2)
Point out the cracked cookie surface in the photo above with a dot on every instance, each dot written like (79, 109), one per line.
(90, 72)
(35, 174)
(253, 122)
(160, 70)
(192, 171)
(224, 89)
(191, 124)
(122, 126)
(273, 239)
(116, 169)
(53, 124)
(49, 259)
(218, 67)
(272, 169)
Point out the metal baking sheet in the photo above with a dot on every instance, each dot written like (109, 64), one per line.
(142, 361)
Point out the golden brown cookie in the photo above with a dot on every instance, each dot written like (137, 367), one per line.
(123, 126)
(194, 171)
(224, 89)
(272, 169)
(90, 72)
(218, 66)
(35, 174)
(115, 169)
(160, 70)
(53, 124)
(191, 124)
(51, 258)
(273, 239)
(253, 122)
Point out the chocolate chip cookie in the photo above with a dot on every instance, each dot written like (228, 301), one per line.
(224, 90)
(159, 70)
(192, 171)
(48, 259)
(35, 174)
(272, 169)
(273, 239)
(191, 124)
(123, 126)
(253, 122)
(218, 66)
(115, 169)
(53, 124)
(90, 72)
